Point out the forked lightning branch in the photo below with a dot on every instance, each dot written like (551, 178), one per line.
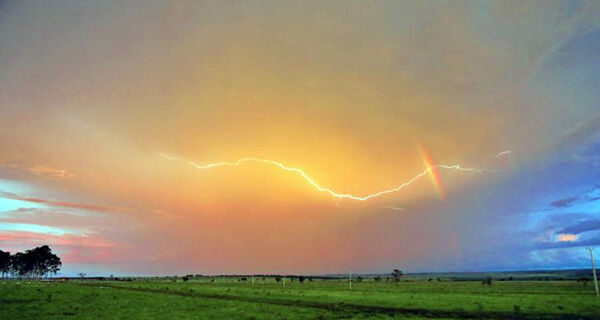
(430, 170)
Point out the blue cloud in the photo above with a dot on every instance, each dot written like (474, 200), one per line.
(36, 228)
(562, 203)
(582, 226)
(594, 241)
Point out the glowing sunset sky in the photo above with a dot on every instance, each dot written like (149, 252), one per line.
(300, 137)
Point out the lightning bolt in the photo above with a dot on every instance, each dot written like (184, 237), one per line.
(503, 153)
(395, 208)
(315, 184)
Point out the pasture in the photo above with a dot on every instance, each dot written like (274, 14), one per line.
(227, 298)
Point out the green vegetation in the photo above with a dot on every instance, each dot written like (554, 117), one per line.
(228, 298)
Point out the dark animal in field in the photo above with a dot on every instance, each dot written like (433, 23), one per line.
(243, 279)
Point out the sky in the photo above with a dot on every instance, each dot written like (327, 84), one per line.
(305, 137)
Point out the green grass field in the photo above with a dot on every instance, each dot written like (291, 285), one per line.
(229, 299)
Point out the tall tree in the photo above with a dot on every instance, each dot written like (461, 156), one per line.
(4, 263)
(18, 265)
(397, 274)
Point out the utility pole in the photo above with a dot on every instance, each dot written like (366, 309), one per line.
(591, 250)
(350, 278)
(253, 280)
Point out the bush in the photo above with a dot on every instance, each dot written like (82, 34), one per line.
(397, 274)
(517, 308)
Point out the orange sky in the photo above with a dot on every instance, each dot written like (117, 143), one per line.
(360, 96)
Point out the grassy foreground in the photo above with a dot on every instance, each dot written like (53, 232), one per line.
(228, 299)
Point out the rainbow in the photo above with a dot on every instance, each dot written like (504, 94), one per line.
(433, 172)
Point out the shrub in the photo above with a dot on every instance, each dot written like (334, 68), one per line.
(488, 280)
(397, 274)
(517, 308)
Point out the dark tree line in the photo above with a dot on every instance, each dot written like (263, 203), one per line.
(34, 263)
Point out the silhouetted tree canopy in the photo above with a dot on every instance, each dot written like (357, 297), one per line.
(34, 263)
